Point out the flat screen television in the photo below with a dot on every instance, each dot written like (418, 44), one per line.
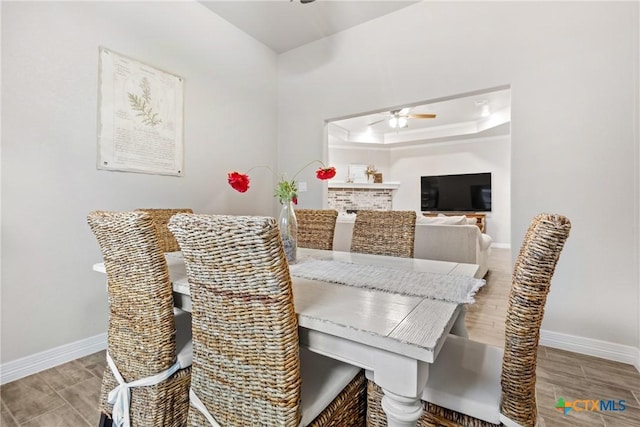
(469, 192)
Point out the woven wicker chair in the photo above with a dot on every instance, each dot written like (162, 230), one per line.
(384, 233)
(161, 217)
(144, 336)
(316, 227)
(474, 384)
(248, 369)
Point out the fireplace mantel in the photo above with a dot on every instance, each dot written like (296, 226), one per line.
(365, 186)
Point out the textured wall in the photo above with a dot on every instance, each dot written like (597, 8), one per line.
(369, 199)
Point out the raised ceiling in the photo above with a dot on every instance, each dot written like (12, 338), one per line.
(462, 116)
(283, 25)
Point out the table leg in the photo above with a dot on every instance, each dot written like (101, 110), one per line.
(401, 411)
(402, 380)
(459, 328)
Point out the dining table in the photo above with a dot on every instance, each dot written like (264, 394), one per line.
(385, 314)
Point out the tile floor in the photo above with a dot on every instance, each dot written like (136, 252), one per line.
(67, 395)
(559, 373)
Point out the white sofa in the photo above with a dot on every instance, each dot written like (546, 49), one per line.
(452, 239)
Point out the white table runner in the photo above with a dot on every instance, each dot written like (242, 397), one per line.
(452, 288)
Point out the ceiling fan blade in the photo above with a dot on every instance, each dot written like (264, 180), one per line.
(421, 116)
(376, 122)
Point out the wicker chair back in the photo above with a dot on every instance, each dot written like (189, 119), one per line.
(246, 368)
(316, 228)
(534, 268)
(384, 233)
(141, 334)
(160, 218)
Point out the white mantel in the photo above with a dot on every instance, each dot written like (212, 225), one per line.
(363, 185)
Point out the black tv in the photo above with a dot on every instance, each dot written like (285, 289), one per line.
(469, 192)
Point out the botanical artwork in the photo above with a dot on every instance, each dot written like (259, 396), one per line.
(140, 117)
(142, 104)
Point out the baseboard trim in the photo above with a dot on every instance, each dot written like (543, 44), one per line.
(38, 362)
(47, 359)
(591, 347)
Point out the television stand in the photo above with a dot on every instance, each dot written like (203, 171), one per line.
(479, 217)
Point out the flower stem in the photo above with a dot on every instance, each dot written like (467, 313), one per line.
(306, 166)
(260, 166)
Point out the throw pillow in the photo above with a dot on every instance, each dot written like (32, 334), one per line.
(443, 220)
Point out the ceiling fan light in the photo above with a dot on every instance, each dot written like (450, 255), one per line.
(483, 104)
(398, 122)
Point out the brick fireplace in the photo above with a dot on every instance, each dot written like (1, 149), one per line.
(361, 196)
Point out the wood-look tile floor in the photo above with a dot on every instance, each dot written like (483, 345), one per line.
(67, 395)
(560, 374)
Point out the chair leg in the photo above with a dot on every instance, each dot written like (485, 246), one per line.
(105, 421)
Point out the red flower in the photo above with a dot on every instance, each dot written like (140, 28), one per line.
(286, 189)
(238, 181)
(326, 173)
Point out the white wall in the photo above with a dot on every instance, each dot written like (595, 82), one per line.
(342, 156)
(50, 295)
(572, 68)
(407, 164)
(491, 154)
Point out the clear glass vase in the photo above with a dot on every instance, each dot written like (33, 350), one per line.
(289, 231)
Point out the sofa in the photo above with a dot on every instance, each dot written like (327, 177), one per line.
(452, 238)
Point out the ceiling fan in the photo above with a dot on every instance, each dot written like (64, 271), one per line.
(399, 118)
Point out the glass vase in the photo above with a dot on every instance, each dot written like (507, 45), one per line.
(289, 231)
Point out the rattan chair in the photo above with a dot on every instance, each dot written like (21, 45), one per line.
(161, 217)
(248, 369)
(474, 384)
(145, 339)
(316, 228)
(384, 233)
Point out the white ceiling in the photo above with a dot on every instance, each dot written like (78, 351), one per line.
(473, 114)
(283, 25)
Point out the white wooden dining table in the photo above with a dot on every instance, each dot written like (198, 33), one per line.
(394, 336)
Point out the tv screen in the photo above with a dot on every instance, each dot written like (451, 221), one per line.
(470, 192)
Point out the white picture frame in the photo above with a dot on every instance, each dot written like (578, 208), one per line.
(140, 117)
(358, 173)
